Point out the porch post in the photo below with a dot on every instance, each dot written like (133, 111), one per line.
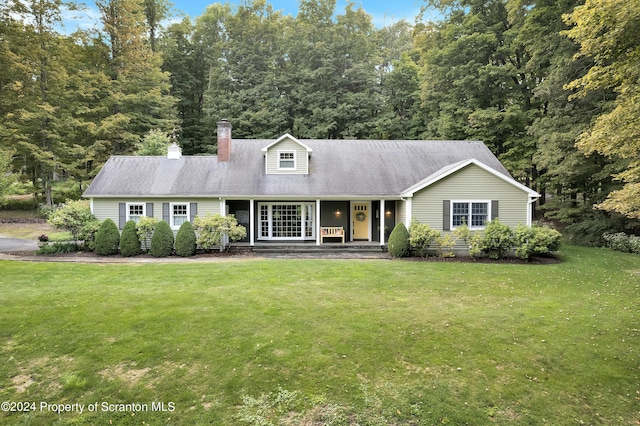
(409, 213)
(382, 216)
(318, 236)
(252, 223)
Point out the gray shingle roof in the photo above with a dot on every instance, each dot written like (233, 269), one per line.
(338, 168)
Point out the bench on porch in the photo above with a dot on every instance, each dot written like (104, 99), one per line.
(331, 232)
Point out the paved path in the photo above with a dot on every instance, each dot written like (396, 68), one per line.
(17, 244)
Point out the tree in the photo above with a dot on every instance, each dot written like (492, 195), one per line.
(7, 178)
(156, 142)
(609, 32)
(73, 216)
(139, 97)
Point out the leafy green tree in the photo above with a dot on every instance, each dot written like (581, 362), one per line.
(107, 238)
(129, 241)
(609, 32)
(7, 177)
(139, 97)
(75, 217)
(156, 142)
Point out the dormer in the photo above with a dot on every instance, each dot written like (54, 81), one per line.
(287, 156)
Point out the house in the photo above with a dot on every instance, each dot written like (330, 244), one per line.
(316, 191)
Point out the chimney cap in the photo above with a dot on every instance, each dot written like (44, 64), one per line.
(174, 151)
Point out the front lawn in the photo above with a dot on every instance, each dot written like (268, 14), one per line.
(254, 341)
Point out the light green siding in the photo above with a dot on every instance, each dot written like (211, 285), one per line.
(301, 157)
(104, 208)
(401, 211)
(472, 183)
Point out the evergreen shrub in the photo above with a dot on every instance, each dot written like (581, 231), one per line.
(497, 240)
(398, 244)
(186, 240)
(537, 240)
(129, 241)
(162, 240)
(107, 238)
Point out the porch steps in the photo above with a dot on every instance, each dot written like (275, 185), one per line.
(325, 250)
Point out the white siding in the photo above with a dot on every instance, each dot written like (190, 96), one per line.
(470, 183)
(302, 157)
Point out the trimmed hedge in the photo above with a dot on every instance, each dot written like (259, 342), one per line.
(107, 238)
(186, 240)
(162, 240)
(129, 241)
(398, 244)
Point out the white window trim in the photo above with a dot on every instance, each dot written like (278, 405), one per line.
(128, 211)
(305, 206)
(469, 202)
(171, 224)
(287, 151)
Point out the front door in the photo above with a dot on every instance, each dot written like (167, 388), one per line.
(360, 218)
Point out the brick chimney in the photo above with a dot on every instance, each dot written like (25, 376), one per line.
(224, 141)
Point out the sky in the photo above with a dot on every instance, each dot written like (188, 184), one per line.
(383, 12)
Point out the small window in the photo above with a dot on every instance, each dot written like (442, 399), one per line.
(135, 211)
(474, 214)
(179, 214)
(286, 159)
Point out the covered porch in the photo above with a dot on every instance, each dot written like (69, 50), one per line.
(314, 222)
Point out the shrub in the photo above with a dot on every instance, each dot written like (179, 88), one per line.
(162, 240)
(497, 240)
(107, 238)
(398, 244)
(57, 248)
(129, 241)
(75, 217)
(445, 245)
(215, 230)
(537, 240)
(145, 229)
(421, 236)
(186, 240)
(623, 242)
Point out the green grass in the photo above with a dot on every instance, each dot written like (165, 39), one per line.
(254, 341)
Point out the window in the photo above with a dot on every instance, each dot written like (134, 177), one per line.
(286, 159)
(135, 211)
(179, 214)
(286, 221)
(474, 214)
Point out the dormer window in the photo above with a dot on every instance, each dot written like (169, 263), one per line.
(286, 160)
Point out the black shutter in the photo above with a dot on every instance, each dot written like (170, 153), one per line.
(446, 215)
(122, 215)
(193, 211)
(149, 210)
(165, 212)
(494, 209)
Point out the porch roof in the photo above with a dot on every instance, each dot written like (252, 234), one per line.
(338, 168)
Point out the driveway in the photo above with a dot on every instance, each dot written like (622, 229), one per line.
(17, 244)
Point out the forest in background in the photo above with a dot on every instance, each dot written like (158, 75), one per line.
(551, 86)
